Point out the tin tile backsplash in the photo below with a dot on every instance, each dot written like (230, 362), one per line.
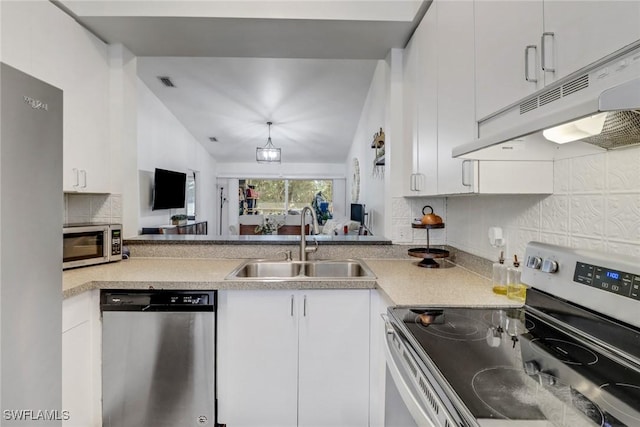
(105, 208)
(595, 205)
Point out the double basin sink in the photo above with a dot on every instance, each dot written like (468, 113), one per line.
(302, 270)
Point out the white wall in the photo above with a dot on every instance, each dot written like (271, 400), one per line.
(373, 118)
(283, 170)
(164, 143)
(124, 133)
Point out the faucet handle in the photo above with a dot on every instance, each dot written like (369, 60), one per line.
(287, 255)
(313, 249)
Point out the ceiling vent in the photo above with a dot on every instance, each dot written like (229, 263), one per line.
(166, 81)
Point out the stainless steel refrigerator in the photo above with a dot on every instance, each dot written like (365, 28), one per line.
(31, 217)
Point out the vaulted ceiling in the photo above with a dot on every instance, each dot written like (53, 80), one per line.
(305, 65)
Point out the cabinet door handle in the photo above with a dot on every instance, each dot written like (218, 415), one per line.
(464, 183)
(77, 173)
(526, 63)
(84, 178)
(291, 305)
(412, 182)
(543, 53)
(419, 181)
(304, 306)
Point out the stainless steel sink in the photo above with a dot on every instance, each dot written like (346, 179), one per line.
(349, 268)
(268, 269)
(302, 270)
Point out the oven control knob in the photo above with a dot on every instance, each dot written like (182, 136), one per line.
(534, 262)
(549, 266)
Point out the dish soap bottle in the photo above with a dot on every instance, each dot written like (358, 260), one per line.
(499, 277)
(515, 289)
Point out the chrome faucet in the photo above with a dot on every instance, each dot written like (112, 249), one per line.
(303, 242)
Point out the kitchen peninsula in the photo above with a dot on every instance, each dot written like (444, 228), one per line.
(323, 239)
(260, 246)
(204, 263)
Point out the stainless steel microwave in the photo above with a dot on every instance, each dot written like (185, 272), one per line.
(89, 244)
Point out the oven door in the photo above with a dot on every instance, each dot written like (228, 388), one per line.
(406, 405)
(85, 246)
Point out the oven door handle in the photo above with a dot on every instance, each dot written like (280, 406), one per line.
(404, 387)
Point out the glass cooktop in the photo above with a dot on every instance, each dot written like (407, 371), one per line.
(514, 364)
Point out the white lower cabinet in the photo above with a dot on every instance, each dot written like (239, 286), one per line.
(293, 358)
(81, 360)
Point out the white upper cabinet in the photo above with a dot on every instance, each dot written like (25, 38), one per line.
(41, 40)
(507, 47)
(521, 46)
(456, 112)
(578, 33)
(420, 97)
(440, 65)
(86, 146)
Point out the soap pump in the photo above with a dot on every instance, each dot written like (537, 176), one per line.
(515, 289)
(499, 276)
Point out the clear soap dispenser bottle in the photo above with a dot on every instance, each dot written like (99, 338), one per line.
(515, 289)
(499, 277)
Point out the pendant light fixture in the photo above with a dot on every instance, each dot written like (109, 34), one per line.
(268, 153)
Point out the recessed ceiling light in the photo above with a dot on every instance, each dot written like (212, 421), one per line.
(166, 81)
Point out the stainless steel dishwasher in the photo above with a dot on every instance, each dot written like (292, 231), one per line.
(158, 358)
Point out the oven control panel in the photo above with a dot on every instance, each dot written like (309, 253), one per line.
(617, 282)
(606, 283)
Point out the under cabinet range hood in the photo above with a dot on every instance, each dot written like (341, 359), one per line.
(590, 111)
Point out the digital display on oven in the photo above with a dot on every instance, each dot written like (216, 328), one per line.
(617, 282)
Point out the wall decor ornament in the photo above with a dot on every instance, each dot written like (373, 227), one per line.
(378, 159)
(355, 180)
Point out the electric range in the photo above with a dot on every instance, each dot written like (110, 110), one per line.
(569, 357)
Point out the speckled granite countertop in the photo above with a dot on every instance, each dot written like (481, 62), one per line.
(403, 282)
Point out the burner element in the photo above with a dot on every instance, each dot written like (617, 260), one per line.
(512, 394)
(566, 352)
(631, 393)
(456, 327)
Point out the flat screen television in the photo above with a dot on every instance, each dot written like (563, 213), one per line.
(168, 189)
(357, 212)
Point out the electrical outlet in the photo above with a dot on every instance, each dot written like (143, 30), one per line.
(404, 234)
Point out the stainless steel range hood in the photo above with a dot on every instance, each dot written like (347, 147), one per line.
(611, 85)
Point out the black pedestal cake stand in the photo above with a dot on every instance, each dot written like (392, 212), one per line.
(428, 254)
